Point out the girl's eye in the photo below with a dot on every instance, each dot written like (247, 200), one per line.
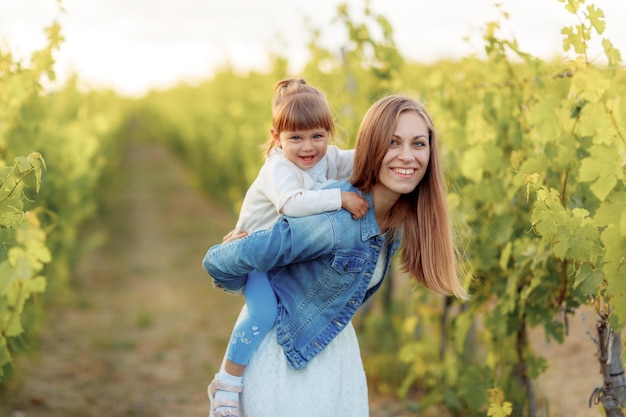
(394, 142)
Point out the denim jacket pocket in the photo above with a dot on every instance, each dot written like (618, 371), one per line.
(348, 267)
(348, 263)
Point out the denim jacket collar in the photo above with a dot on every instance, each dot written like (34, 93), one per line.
(369, 227)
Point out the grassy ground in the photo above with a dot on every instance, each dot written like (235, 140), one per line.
(145, 330)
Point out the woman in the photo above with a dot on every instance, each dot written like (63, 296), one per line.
(323, 267)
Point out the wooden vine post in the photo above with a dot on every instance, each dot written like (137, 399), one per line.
(612, 394)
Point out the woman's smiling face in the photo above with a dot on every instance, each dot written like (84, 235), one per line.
(406, 160)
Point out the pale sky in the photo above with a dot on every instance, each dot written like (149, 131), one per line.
(134, 45)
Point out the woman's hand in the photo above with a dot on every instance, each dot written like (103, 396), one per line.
(233, 235)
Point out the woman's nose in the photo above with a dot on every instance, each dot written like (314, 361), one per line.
(406, 155)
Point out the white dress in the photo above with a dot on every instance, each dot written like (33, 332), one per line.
(332, 384)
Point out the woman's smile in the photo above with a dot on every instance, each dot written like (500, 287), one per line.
(404, 172)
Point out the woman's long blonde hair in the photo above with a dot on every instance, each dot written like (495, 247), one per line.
(428, 251)
(297, 105)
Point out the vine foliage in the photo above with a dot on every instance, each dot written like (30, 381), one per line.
(535, 154)
(23, 250)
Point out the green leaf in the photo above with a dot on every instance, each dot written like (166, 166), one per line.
(616, 284)
(612, 211)
(498, 407)
(472, 385)
(6, 276)
(571, 234)
(612, 53)
(18, 260)
(548, 212)
(614, 253)
(583, 238)
(602, 169)
(596, 18)
(473, 163)
(14, 327)
(505, 256)
(588, 279)
(572, 6)
(595, 124)
(36, 285)
(543, 115)
(33, 239)
(589, 85)
(574, 38)
(11, 216)
(509, 303)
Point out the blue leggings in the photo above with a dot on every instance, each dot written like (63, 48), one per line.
(251, 329)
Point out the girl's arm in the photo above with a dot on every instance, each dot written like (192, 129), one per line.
(290, 190)
(340, 162)
(309, 202)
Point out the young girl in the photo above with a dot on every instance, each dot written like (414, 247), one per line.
(298, 162)
(324, 267)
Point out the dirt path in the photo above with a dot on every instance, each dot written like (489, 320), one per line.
(146, 329)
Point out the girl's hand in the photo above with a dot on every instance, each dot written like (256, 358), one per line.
(354, 203)
(233, 235)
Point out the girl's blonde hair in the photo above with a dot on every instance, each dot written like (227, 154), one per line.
(297, 105)
(428, 250)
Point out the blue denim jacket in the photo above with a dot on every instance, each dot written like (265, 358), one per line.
(319, 266)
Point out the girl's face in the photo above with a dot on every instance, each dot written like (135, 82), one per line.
(406, 160)
(304, 148)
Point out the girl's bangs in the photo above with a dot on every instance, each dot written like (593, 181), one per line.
(311, 113)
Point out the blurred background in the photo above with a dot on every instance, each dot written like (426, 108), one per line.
(130, 131)
(138, 45)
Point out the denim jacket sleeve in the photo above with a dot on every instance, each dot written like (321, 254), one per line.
(289, 240)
